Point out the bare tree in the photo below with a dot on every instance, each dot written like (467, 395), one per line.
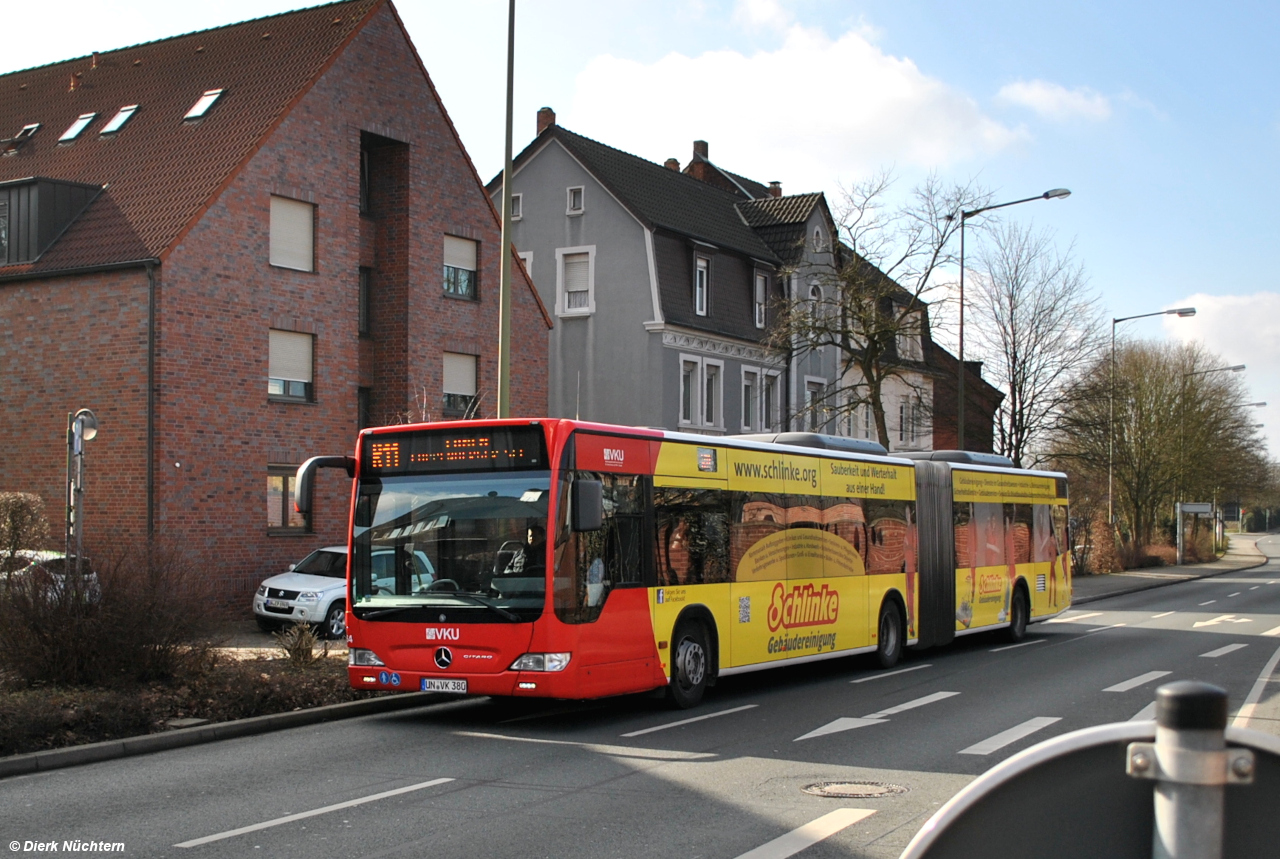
(870, 302)
(1037, 326)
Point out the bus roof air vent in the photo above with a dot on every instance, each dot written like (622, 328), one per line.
(818, 440)
(969, 457)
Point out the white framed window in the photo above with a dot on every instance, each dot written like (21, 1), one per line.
(527, 258)
(760, 297)
(73, 130)
(576, 280)
(908, 339)
(910, 421)
(293, 234)
(815, 411)
(771, 400)
(819, 241)
(701, 285)
(289, 365)
(117, 122)
(517, 206)
(750, 400)
(202, 105)
(460, 257)
(815, 292)
(574, 202)
(701, 392)
(459, 383)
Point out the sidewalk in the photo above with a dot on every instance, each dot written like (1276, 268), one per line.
(1242, 554)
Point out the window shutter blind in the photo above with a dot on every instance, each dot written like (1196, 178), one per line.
(459, 253)
(459, 374)
(577, 281)
(290, 356)
(292, 234)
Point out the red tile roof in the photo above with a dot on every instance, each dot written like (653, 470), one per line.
(160, 171)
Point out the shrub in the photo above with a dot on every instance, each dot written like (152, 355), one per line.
(299, 645)
(152, 618)
(22, 526)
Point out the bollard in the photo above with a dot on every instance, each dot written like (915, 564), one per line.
(1191, 766)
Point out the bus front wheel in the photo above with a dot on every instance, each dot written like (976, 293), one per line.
(689, 667)
(1019, 614)
(889, 644)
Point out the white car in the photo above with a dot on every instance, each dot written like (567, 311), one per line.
(314, 590)
(48, 571)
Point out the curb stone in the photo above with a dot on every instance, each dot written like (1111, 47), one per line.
(112, 749)
(1163, 583)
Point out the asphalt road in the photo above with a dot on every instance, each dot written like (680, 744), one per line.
(629, 778)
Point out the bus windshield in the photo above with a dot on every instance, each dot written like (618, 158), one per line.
(471, 547)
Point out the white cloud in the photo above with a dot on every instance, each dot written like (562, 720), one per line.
(761, 13)
(1056, 102)
(808, 113)
(1243, 329)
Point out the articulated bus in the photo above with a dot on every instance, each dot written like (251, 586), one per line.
(575, 560)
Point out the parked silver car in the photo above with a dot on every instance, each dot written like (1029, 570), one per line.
(314, 590)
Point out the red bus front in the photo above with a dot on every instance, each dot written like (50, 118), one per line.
(466, 571)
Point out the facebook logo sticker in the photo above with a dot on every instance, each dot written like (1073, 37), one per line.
(662, 596)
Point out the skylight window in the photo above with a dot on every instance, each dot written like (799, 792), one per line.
(76, 127)
(201, 107)
(14, 143)
(117, 122)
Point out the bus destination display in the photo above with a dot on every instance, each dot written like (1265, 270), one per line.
(491, 449)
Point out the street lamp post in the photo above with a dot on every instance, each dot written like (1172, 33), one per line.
(1052, 194)
(1111, 404)
(81, 427)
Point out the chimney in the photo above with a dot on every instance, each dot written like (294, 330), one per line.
(94, 64)
(775, 189)
(700, 148)
(672, 164)
(546, 118)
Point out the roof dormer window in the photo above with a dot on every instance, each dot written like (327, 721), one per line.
(201, 107)
(73, 131)
(15, 143)
(117, 122)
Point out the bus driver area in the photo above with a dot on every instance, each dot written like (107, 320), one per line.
(671, 559)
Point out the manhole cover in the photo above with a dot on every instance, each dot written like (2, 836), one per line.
(854, 789)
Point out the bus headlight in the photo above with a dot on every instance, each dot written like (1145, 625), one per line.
(360, 656)
(541, 662)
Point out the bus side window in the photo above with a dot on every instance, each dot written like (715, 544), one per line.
(692, 529)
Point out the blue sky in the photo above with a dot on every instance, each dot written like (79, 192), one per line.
(1162, 118)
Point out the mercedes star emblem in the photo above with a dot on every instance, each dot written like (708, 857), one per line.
(444, 658)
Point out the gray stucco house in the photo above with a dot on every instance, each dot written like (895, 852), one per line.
(663, 283)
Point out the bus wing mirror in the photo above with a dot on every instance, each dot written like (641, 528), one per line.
(305, 480)
(586, 501)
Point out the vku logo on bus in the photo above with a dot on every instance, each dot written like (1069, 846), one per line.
(614, 456)
(449, 633)
(802, 606)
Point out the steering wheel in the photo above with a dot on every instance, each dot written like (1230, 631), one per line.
(443, 585)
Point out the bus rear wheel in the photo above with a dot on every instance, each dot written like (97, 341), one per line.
(1019, 614)
(689, 665)
(889, 643)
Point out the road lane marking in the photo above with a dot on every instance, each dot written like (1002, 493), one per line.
(1004, 738)
(1254, 588)
(846, 723)
(1208, 602)
(1101, 628)
(1146, 714)
(1012, 646)
(1134, 683)
(911, 705)
(1074, 618)
(809, 834)
(1162, 614)
(303, 815)
(1222, 618)
(880, 674)
(687, 721)
(618, 751)
(1236, 594)
(1255, 694)
(1223, 651)
(1275, 631)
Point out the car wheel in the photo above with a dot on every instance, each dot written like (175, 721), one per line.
(690, 667)
(889, 642)
(1019, 614)
(335, 621)
(265, 624)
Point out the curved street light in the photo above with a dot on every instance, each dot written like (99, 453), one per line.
(1051, 194)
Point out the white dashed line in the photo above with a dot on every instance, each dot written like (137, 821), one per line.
(1255, 694)
(880, 674)
(1004, 738)
(1254, 588)
(911, 705)
(688, 721)
(1102, 628)
(1162, 614)
(1223, 651)
(1146, 714)
(1012, 646)
(1074, 618)
(1208, 602)
(809, 834)
(1140, 680)
(1236, 594)
(231, 833)
(1273, 632)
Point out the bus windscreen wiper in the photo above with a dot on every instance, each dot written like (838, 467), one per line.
(478, 601)
(383, 612)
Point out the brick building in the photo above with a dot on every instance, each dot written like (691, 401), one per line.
(237, 246)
